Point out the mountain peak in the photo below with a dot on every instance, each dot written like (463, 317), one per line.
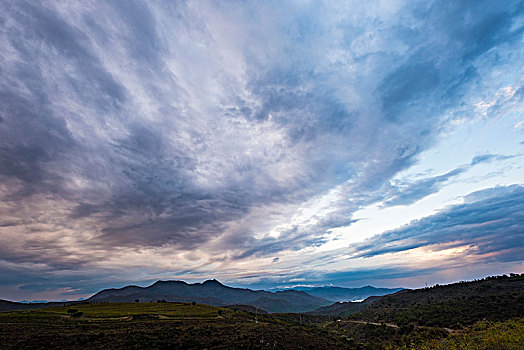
(160, 282)
(212, 282)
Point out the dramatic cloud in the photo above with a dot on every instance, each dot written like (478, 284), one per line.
(188, 137)
(489, 222)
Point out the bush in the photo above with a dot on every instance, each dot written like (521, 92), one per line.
(77, 314)
(72, 311)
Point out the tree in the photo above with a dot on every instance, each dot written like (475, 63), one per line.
(137, 300)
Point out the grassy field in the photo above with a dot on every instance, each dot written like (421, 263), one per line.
(111, 310)
(101, 312)
(156, 326)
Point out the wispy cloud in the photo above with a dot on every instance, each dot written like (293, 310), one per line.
(488, 158)
(488, 221)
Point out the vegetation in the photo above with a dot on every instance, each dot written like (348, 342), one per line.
(483, 335)
(451, 306)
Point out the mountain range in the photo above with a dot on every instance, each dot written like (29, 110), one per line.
(6, 305)
(212, 292)
(342, 294)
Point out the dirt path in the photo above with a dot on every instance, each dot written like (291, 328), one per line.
(392, 325)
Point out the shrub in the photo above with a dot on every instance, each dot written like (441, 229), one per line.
(77, 314)
(72, 311)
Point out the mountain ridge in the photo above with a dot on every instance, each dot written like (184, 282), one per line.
(345, 294)
(212, 292)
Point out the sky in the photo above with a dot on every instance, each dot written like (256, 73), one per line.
(266, 144)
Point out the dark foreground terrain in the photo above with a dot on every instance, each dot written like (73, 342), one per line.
(486, 314)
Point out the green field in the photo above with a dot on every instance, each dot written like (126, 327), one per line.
(111, 310)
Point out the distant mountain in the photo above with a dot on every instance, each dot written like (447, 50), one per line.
(6, 305)
(37, 301)
(342, 294)
(344, 309)
(214, 293)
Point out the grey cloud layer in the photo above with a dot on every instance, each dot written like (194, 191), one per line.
(169, 123)
(489, 220)
(409, 192)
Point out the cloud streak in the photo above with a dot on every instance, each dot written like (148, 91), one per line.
(488, 221)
